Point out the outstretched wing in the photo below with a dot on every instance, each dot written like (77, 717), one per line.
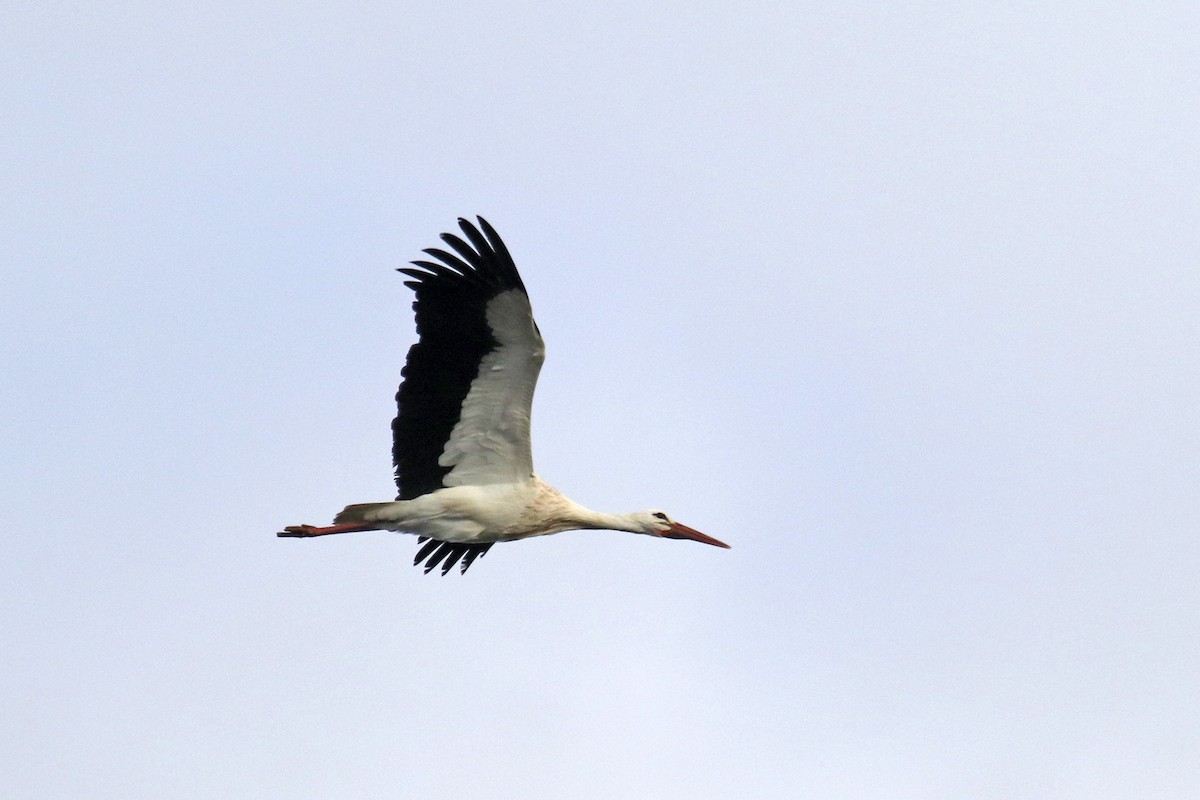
(469, 380)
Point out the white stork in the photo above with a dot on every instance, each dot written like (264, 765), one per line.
(460, 443)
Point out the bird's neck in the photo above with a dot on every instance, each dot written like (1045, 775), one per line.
(587, 519)
(572, 516)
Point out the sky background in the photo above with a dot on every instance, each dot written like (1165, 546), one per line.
(901, 302)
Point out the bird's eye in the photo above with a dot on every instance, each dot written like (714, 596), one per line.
(661, 516)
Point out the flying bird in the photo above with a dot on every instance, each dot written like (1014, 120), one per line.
(460, 442)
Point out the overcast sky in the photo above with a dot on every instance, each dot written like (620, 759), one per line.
(900, 302)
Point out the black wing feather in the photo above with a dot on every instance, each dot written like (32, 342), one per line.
(462, 267)
(443, 550)
(456, 553)
(424, 552)
(435, 551)
(474, 552)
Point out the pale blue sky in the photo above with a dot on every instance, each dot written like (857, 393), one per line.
(900, 302)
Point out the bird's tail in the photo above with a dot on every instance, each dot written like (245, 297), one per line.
(359, 512)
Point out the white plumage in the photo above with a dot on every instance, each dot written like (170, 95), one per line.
(461, 449)
(491, 442)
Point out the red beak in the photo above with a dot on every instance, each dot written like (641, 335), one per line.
(677, 531)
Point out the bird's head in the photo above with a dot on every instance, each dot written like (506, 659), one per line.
(657, 523)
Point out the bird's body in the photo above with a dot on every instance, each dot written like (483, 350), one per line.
(461, 448)
(498, 512)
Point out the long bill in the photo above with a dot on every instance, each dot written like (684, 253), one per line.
(677, 531)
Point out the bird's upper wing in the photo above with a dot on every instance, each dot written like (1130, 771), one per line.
(469, 380)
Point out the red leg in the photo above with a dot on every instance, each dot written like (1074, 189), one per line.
(305, 531)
